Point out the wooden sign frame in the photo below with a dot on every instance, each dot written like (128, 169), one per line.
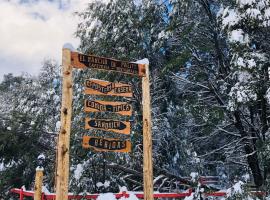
(106, 144)
(108, 125)
(121, 108)
(100, 87)
(79, 60)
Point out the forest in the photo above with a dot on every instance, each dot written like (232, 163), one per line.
(210, 97)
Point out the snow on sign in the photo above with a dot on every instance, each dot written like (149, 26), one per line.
(100, 87)
(94, 62)
(121, 108)
(105, 144)
(116, 126)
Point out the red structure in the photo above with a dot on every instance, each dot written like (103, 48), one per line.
(23, 194)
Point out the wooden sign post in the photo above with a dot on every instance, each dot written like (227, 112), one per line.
(99, 87)
(147, 137)
(38, 183)
(62, 171)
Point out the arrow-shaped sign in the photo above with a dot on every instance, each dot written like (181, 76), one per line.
(105, 144)
(116, 126)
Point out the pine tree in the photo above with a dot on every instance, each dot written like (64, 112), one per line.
(28, 126)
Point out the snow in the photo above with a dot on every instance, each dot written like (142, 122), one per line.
(69, 46)
(131, 197)
(242, 93)
(110, 196)
(267, 96)
(176, 157)
(231, 19)
(45, 190)
(238, 187)
(251, 63)
(41, 156)
(99, 184)
(39, 169)
(194, 175)
(243, 3)
(2, 167)
(191, 197)
(56, 98)
(161, 34)
(78, 171)
(123, 189)
(240, 62)
(157, 178)
(106, 196)
(238, 35)
(106, 184)
(95, 24)
(244, 76)
(55, 82)
(58, 126)
(144, 61)
(246, 177)
(235, 189)
(23, 188)
(267, 13)
(137, 3)
(253, 13)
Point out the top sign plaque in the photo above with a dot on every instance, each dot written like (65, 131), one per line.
(94, 62)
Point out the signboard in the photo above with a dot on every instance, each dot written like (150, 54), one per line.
(121, 108)
(116, 126)
(94, 62)
(100, 87)
(105, 144)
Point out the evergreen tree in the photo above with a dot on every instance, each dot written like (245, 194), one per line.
(28, 121)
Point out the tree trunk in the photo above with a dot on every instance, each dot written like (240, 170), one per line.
(252, 157)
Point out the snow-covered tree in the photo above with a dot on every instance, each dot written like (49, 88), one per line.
(246, 25)
(226, 77)
(28, 126)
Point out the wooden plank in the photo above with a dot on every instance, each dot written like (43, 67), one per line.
(100, 87)
(38, 184)
(62, 171)
(115, 126)
(79, 60)
(106, 144)
(147, 138)
(121, 108)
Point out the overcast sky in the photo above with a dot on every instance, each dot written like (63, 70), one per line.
(32, 30)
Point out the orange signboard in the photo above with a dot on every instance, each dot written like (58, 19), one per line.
(121, 108)
(100, 87)
(79, 60)
(105, 144)
(116, 126)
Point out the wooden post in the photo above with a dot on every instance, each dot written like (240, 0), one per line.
(62, 171)
(38, 183)
(147, 137)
